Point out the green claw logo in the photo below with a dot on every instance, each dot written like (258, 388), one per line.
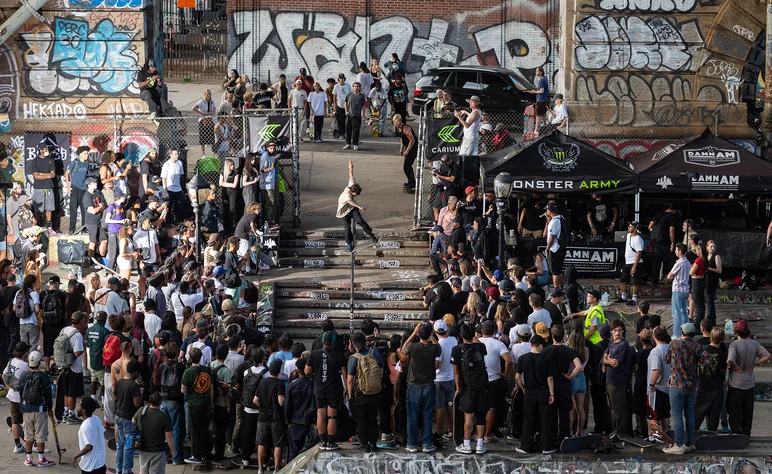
(267, 132)
(446, 134)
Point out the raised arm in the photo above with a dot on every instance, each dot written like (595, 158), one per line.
(350, 169)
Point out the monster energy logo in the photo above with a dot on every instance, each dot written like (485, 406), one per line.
(446, 134)
(559, 155)
(267, 132)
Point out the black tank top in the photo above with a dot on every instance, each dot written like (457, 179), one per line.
(406, 140)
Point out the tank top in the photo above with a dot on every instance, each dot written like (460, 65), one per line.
(230, 179)
(712, 264)
(473, 130)
(406, 140)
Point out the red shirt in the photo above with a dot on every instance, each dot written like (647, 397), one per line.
(702, 267)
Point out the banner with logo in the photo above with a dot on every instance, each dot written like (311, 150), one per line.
(269, 127)
(590, 259)
(34, 141)
(443, 137)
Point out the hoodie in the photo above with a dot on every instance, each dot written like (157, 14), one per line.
(573, 289)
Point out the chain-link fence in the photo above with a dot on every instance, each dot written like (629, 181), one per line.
(623, 133)
(203, 142)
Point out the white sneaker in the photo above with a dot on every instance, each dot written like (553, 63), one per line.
(675, 449)
(263, 266)
(480, 449)
(19, 449)
(356, 147)
(464, 449)
(347, 147)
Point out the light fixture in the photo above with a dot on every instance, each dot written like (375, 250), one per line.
(502, 186)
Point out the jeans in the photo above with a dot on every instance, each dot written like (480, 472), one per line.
(698, 297)
(440, 241)
(269, 204)
(682, 413)
(124, 458)
(351, 219)
(76, 203)
(617, 400)
(739, 405)
(155, 103)
(679, 302)
(296, 439)
(421, 401)
(175, 411)
(353, 129)
(708, 405)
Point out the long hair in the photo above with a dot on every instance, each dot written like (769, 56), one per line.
(76, 297)
(471, 303)
(29, 283)
(577, 343)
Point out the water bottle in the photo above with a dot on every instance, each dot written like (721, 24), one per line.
(605, 299)
(70, 274)
(80, 273)
(729, 328)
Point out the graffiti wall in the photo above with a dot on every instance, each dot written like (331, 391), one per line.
(81, 61)
(663, 68)
(328, 38)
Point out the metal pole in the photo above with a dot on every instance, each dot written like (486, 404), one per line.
(638, 206)
(351, 297)
(198, 229)
(502, 207)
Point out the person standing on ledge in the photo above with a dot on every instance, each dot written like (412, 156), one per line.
(348, 210)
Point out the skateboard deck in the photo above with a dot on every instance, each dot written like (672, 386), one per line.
(458, 422)
(722, 442)
(579, 443)
(697, 433)
(59, 449)
(510, 412)
(59, 402)
(656, 432)
(640, 443)
(236, 461)
(111, 444)
(375, 120)
(204, 466)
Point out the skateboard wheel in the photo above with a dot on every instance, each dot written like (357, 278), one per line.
(642, 450)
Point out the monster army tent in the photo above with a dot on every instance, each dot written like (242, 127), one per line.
(560, 164)
(704, 164)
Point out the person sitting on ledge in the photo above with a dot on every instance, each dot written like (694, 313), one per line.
(150, 85)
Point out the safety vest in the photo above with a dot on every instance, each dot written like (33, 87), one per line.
(592, 313)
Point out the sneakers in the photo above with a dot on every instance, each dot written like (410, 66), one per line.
(386, 437)
(263, 266)
(429, 449)
(549, 451)
(376, 241)
(491, 438)
(480, 449)
(28, 463)
(51, 232)
(332, 446)
(347, 147)
(322, 446)
(71, 419)
(521, 450)
(675, 449)
(193, 460)
(412, 450)
(464, 449)
(448, 436)
(354, 440)
(350, 247)
(245, 463)
(318, 140)
(19, 449)
(44, 463)
(356, 147)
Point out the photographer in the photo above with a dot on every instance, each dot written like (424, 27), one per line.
(444, 183)
(149, 82)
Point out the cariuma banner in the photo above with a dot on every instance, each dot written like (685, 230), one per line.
(444, 137)
(269, 127)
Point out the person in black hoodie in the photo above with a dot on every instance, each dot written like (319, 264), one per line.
(479, 239)
(573, 290)
(444, 304)
(299, 401)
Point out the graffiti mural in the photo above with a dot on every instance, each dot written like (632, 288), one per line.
(137, 4)
(9, 87)
(329, 43)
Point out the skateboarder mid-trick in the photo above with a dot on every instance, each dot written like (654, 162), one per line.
(349, 211)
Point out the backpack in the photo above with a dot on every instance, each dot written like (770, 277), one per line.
(369, 380)
(581, 298)
(169, 379)
(33, 391)
(251, 380)
(564, 239)
(21, 305)
(660, 230)
(11, 380)
(220, 388)
(64, 355)
(53, 311)
(159, 359)
(111, 351)
(473, 366)
(17, 252)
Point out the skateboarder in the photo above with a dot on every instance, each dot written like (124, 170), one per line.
(349, 210)
(536, 383)
(36, 405)
(471, 378)
(408, 149)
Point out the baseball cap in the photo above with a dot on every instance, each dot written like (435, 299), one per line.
(143, 216)
(341, 76)
(114, 281)
(542, 330)
(474, 280)
(164, 337)
(117, 193)
(740, 325)
(202, 323)
(21, 347)
(595, 294)
(449, 319)
(604, 330)
(219, 270)
(209, 283)
(506, 285)
(150, 63)
(227, 305)
(155, 178)
(455, 282)
(33, 359)
(523, 330)
(54, 279)
(557, 293)
(81, 149)
(469, 189)
(298, 82)
(90, 180)
(440, 327)
(437, 228)
(358, 339)
(551, 206)
(688, 328)
(635, 224)
(498, 274)
(558, 96)
(493, 292)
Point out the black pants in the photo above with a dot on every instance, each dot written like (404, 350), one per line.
(176, 201)
(112, 249)
(352, 218)
(230, 213)
(340, 119)
(12, 330)
(711, 287)
(739, 406)
(661, 259)
(537, 419)
(199, 430)
(401, 109)
(698, 297)
(76, 203)
(221, 422)
(617, 400)
(437, 262)
(562, 409)
(155, 103)
(384, 410)
(248, 434)
(101, 470)
(364, 409)
(296, 439)
(407, 167)
(517, 414)
(599, 408)
(353, 129)
(318, 124)
(708, 405)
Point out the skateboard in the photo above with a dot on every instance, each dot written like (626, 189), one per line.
(722, 442)
(408, 190)
(657, 433)
(111, 444)
(236, 461)
(458, 422)
(204, 466)
(640, 443)
(375, 120)
(365, 243)
(579, 443)
(697, 433)
(59, 402)
(59, 449)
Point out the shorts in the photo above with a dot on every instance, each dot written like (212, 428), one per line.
(540, 109)
(150, 269)
(533, 234)
(271, 432)
(324, 402)
(96, 233)
(497, 391)
(98, 376)
(35, 427)
(474, 401)
(50, 331)
(579, 384)
(43, 200)
(555, 261)
(444, 393)
(16, 415)
(72, 384)
(437, 196)
(626, 277)
(661, 406)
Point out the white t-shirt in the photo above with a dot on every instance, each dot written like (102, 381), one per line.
(317, 101)
(513, 338)
(297, 98)
(561, 112)
(445, 370)
(34, 298)
(76, 342)
(377, 97)
(147, 239)
(206, 353)
(365, 79)
(343, 207)
(289, 367)
(152, 325)
(521, 285)
(634, 245)
(179, 302)
(554, 229)
(540, 315)
(92, 432)
(206, 108)
(171, 172)
(17, 367)
(340, 93)
(518, 350)
(110, 304)
(495, 348)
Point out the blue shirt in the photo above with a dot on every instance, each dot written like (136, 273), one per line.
(543, 84)
(267, 180)
(283, 356)
(78, 171)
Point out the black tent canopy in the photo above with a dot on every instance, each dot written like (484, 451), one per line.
(704, 164)
(558, 163)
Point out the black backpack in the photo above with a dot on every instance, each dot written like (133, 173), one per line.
(660, 231)
(473, 366)
(169, 379)
(249, 388)
(564, 239)
(33, 393)
(53, 310)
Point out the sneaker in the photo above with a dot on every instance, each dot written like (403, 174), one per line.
(28, 463)
(317, 141)
(464, 449)
(45, 463)
(354, 440)
(675, 449)
(356, 147)
(620, 301)
(386, 437)
(429, 449)
(193, 460)
(322, 446)
(411, 450)
(480, 449)
(725, 429)
(511, 437)
(108, 426)
(260, 471)
(51, 232)
(491, 438)
(447, 435)
(332, 446)
(376, 241)
(630, 303)
(350, 247)
(347, 147)
(341, 137)
(521, 450)
(245, 463)
(549, 451)
(19, 449)
(264, 266)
